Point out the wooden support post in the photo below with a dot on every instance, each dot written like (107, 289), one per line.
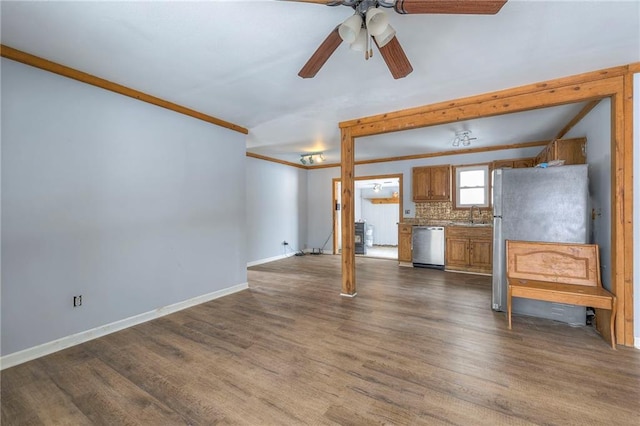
(348, 215)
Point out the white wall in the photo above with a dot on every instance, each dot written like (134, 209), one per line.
(596, 127)
(130, 205)
(276, 210)
(383, 217)
(636, 208)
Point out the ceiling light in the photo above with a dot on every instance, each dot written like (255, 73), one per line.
(350, 28)
(312, 157)
(377, 21)
(360, 44)
(463, 137)
(387, 35)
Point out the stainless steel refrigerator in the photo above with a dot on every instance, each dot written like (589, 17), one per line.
(536, 204)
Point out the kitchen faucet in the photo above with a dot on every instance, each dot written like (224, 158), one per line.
(471, 213)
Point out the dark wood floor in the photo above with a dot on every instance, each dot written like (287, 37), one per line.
(416, 346)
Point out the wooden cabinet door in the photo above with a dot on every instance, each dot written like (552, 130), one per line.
(503, 164)
(572, 151)
(420, 183)
(404, 243)
(481, 255)
(525, 162)
(440, 183)
(457, 252)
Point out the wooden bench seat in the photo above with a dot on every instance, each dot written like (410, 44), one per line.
(562, 273)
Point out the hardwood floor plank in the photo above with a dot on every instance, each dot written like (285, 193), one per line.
(415, 347)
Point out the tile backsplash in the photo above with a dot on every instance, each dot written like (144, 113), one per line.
(440, 211)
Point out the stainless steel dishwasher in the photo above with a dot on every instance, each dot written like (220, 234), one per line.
(428, 246)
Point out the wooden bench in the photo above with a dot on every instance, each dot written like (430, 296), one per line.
(562, 273)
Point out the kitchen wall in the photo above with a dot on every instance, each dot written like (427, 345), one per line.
(596, 127)
(276, 210)
(132, 206)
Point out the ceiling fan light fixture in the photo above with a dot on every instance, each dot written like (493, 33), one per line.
(350, 28)
(377, 21)
(360, 43)
(384, 38)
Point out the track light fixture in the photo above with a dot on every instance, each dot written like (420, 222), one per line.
(312, 158)
(463, 138)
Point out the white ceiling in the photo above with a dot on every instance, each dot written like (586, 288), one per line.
(239, 60)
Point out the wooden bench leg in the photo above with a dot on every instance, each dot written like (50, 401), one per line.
(509, 305)
(614, 305)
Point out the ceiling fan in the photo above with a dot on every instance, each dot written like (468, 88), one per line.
(369, 23)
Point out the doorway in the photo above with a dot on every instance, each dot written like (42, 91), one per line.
(378, 205)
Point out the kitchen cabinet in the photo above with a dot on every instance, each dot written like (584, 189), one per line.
(404, 244)
(431, 183)
(513, 164)
(572, 151)
(469, 249)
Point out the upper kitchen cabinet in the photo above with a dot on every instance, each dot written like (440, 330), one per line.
(513, 164)
(431, 183)
(572, 151)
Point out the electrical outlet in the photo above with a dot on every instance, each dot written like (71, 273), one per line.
(284, 243)
(77, 301)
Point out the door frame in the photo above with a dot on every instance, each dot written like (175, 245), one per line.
(335, 200)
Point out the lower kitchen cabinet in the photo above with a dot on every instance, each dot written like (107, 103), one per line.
(469, 249)
(404, 244)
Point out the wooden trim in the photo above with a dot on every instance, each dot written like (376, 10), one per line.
(335, 197)
(385, 200)
(348, 214)
(275, 160)
(409, 157)
(455, 152)
(634, 67)
(626, 235)
(501, 94)
(44, 64)
(575, 120)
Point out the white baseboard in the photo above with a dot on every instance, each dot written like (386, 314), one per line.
(29, 354)
(267, 260)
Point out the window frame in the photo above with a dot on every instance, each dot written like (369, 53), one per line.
(486, 168)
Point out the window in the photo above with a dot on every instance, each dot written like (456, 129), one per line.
(472, 186)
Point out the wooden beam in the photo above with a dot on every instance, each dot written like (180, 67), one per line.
(348, 214)
(492, 107)
(501, 94)
(626, 204)
(44, 64)
(575, 120)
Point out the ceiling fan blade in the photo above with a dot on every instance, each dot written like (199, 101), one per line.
(395, 58)
(320, 56)
(472, 7)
